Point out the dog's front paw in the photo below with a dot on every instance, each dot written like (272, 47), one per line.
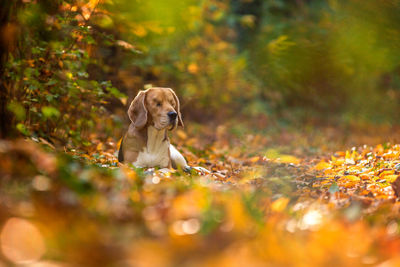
(187, 169)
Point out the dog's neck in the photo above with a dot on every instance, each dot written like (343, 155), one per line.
(155, 137)
(156, 150)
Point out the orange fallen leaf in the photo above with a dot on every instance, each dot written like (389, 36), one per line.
(340, 153)
(386, 173)
(322, 165)
(254, 159)
(181, 134)
(365, 177)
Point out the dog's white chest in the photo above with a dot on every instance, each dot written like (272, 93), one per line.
(155, 153)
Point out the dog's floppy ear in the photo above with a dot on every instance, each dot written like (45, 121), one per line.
(178, 108)
(137, 111)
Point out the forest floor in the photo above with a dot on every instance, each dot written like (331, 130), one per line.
(282, 197)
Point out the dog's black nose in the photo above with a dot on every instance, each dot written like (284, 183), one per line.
(172, 115)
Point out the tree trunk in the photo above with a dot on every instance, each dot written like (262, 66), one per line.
(8, 35)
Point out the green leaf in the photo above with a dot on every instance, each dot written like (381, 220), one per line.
(49, 98)
(21, 127)
(17, 109)
(52, 82)
(334, 188)
(89, 39)
(50, 112)
(115, 92)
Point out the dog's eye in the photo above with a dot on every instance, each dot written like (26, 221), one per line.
(158, 104)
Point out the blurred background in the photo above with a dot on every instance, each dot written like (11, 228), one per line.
(71, 67)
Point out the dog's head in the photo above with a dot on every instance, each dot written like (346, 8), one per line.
(156, 106)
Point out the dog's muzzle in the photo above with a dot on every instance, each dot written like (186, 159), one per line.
(172, 116)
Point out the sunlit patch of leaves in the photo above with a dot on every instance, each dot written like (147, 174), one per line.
(365, 174)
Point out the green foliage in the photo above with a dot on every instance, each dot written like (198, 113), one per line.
(53, 93)
(330, 56)
(77, 59)
(312, 58)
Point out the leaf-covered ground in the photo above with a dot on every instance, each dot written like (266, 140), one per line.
(277, 198)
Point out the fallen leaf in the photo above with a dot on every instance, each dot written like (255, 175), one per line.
(322, 165)
(279, 204)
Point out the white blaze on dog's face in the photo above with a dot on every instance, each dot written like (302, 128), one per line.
(157, 106)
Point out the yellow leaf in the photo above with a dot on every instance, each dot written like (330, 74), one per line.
(329, 171)
(288, 159)
(93, 3)
(123, 100)
(351, 178)
(279, 45)
(279, 204)
(338, 162)
(181, 134)
(99, 146)
(379, 149)
(391, 178)
(322, 165)
(254, 159)
(139, 30)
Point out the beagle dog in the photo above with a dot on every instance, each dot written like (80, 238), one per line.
(152, 113)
